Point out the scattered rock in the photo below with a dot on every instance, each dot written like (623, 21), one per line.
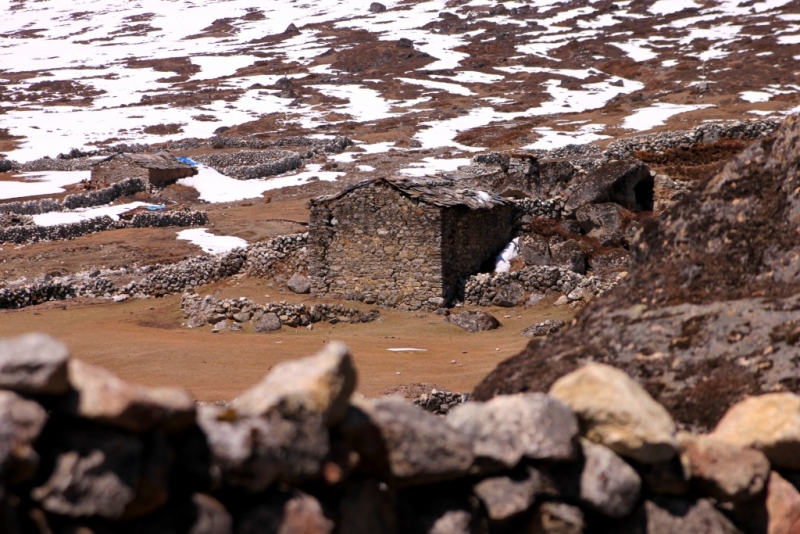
(724, 471)
(318, 385)
(269, 322)
(557, 518)
(473, 321)
(299, 284)
(509, 428)
(509, 295)
(768, 423)
(300, 513)
(508, 495)
(377, 7)
(534, 249)
(34, 364)
(662, 515)
(568, 255)
(544, 328)
(616, 411)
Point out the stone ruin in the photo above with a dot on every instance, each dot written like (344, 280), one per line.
(403, 242)
(82, 451)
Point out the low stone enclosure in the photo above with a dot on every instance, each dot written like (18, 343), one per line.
(83, 451)
(403, 242)
(106, 195)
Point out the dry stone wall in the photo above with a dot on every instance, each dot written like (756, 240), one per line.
(35, 233)
(200, 311)
(481, 289)
(379, 247)
(248, 165)
(127, 187)
(297, 453)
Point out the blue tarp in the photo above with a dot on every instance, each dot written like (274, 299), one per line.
(188, 161)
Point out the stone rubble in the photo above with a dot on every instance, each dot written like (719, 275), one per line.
(297, 453)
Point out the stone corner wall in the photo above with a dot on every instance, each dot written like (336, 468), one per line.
(377, 246)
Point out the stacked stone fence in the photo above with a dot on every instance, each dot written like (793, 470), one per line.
(207, 310)
(253, 164)
(100, 197)
(35, 233)
(299, 453)
(481, 289)
(257, 259)
(552, 208)
(704, 133)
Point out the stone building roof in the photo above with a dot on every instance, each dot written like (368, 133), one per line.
(436, 191)
(160, 160)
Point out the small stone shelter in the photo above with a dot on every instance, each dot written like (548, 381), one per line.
(159, 169)
(403, 242)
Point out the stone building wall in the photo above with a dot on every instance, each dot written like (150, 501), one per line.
(378, 246)
(118, 169)
(470, 237)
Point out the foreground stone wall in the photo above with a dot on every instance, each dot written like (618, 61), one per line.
(377, 246)
(83, 451)
(131, 186)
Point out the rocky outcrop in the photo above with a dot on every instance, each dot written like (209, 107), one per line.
(708, 312)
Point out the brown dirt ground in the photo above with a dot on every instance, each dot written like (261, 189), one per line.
(143, 342)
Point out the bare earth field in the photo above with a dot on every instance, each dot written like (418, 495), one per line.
(143, 341)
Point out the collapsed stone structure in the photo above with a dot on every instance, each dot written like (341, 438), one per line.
(708, 312)
(403, 242)
(158, 169)
(83, 451)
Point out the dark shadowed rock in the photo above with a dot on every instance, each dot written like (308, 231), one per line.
(269, 322)
(473, 321)
(509, 428)
(290, 513)
(211, 517)
(509, 295)
(544, 328)
(21, 422)
(299, 284)
(557, 518)
(663, 515)
(319, 385)
(505, 496)
(95, 473)
(367, 505)
(254, 452)
(710, 310)
(624, 182)
(604, 222)
(377, 7)
(439, 510)
(34, 364)
(607, 483)
(777, 511)
(723, 471)
(101, 396)
(534, 249)
(568, 255)
(421, 447)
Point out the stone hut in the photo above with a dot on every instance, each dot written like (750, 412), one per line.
(403, 242)
(159, 169)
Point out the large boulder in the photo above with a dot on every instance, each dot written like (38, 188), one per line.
(534, 249)
(34, 364)
(769, 423)
(474, 321)
(101, 396)
(509, 428)
(616, 411)
(318, 385)
(568, 255)
(604, 222)
(709, 311)
(269, 322)
(421, 448)
(509, 295)
(299, 284)
(724, 471)
(624, 182)
(607, 483)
